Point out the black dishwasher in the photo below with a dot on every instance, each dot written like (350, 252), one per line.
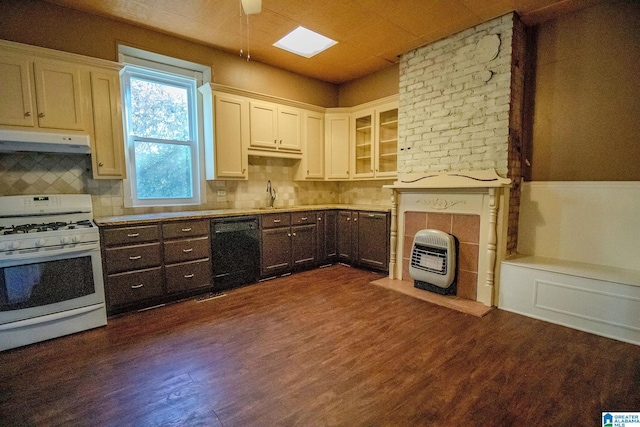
(235, 251)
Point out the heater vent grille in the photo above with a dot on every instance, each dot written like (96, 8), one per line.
(429, 259)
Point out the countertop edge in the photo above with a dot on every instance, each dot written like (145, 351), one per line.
(222, 213)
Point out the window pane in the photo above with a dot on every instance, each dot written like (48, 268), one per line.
(159, 110)
(163, 170)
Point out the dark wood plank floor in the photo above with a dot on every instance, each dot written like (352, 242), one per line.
(322, 348)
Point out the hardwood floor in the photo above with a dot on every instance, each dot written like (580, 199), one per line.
(322, 347)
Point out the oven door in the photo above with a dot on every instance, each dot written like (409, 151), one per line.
(39, 287)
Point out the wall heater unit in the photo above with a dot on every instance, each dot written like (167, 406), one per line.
(433, 262)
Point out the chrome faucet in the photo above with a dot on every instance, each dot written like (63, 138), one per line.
(272, 194)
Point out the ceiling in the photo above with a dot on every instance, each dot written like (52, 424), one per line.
(371, 34)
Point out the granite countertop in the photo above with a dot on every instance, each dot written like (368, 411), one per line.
(221, 213)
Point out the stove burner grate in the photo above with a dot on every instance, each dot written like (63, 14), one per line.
(50, 226)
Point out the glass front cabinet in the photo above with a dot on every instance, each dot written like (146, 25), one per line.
(375, 142)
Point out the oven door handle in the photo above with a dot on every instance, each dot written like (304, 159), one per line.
(38, 255)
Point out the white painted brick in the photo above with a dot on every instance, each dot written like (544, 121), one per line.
(455, 120)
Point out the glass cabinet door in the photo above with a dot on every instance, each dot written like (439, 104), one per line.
(363, 128)
(387, 147)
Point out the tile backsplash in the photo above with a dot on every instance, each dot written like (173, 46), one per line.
(40, 173)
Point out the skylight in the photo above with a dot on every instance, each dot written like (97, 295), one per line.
(304, 42)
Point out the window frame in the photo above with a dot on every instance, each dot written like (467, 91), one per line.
(161, 69)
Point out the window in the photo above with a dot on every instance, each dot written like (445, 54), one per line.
(162, 129)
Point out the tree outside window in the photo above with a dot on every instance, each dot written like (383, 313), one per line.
(161, 137)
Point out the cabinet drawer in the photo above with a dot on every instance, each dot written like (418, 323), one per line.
(131, 235)
(301, 218)
(126, 288)
(188, 275)
(276, 220)
(132, 257)
(186, 250)
(175, 230)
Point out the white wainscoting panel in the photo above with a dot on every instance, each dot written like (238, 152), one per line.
(602, 307)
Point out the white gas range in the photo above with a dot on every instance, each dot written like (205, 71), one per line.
(50, 268)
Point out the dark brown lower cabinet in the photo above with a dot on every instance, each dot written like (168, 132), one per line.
(347, 237)
(148, 264)
(304, 246)
(363, 239)
(373, 240)
(276, 251)
(327, 227)
(289, 242)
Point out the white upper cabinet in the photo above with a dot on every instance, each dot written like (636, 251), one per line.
(362, 152)
(108, 142)
(337, 146)
(374, 142)
(311, 167)
(59, 96)
(386, 154)
(226, 135)
(41, 93)
(275, 128)
(46, 90)
(16, 99)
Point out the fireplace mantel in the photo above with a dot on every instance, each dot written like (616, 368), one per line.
(450, 180)
(476, 192)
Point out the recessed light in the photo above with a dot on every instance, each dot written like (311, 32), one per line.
(304, 42)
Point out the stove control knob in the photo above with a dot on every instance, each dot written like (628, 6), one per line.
(3, 246)
(40, 242)
(76, 239)
(65, 239)
(14, 245)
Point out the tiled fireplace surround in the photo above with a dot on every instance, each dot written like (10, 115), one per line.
(465, 227)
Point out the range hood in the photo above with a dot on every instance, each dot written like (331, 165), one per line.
(20, 140)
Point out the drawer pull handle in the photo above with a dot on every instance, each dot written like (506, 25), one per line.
(189, 276)
(186, 230)
(133, 234)
(304, 218)
(277, 220)
(186, 251)
(135, 258)
(137, 286)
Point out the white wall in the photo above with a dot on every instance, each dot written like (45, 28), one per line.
(592, 222)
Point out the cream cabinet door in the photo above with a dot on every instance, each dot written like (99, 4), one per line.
(362, 154)
(313, 156)
(108, 143)
(231, 134)
(386, 148)
(16, 102)
(337, 146)
(289, 135)
(264, 125)
(59, 95)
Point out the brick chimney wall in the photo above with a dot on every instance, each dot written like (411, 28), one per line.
(460, 106)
